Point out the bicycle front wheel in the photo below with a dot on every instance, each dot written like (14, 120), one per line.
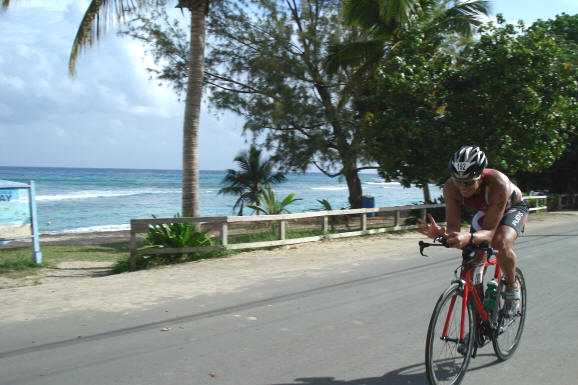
(509, 329)
(446, 356)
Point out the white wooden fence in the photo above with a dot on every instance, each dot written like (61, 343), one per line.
(140, 226)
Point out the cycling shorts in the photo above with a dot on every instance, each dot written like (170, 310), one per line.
(514, 217)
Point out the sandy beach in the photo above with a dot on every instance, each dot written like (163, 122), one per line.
(77, 286)
(102, 237)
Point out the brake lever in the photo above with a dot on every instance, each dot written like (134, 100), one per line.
(422, 245)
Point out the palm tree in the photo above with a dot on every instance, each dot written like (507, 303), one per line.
(246, 183)
(384, 22)
(99, 14)
(269, 205)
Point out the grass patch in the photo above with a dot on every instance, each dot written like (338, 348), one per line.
(152, 261)
(18, 262)
(19, 259)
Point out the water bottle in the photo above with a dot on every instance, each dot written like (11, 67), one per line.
(490, 296)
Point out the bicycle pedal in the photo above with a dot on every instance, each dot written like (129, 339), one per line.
(482, 341)
(462, 348)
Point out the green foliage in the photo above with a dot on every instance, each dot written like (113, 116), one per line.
(269, 205)
(266, 62)
(562, 176)
(246, 182)
(403, 114)
(173, 235)
(326, 205)
(512, 92)
(385, 22)
(404, 49)
(17, 259)
(334, 220)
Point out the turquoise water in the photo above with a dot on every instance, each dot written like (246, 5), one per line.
(86, 200)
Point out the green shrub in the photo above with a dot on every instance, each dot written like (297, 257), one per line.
(334, 220)
(169, 236)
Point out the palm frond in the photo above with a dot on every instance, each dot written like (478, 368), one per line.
(361, 13)
(380, 17)
(99, 15)
(462, 18)
(398, 12)
(5, 5)
(355, 54)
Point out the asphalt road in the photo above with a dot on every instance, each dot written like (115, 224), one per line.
(364, 326)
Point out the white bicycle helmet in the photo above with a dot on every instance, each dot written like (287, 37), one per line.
(468, 163)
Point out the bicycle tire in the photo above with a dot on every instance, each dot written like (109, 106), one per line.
(445, 365)
(509, 331)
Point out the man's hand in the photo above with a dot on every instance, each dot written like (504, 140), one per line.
(432, 230)
(458, 240)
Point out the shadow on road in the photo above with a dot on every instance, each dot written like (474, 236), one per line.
(409, 375)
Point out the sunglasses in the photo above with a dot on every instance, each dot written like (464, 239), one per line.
(469, 182)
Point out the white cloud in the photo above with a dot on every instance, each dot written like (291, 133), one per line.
(47, 118)
(11, 81)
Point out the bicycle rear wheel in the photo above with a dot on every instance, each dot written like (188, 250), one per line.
(446, 357)
(509, 330)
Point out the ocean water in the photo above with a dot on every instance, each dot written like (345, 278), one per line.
(88, 200)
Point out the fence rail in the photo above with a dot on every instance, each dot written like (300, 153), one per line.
(537, 202)
(140, 226)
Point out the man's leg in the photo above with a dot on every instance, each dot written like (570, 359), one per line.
(503, 241)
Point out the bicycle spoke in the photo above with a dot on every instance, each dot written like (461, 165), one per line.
(446, 356)
(510, 329)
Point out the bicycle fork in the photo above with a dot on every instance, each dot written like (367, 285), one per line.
(483, 322)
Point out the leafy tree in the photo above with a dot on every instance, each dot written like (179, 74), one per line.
(385, 22)
(247, 181)
(562, 176)
(404, 51)
(514, 94)
(268, 66)
(100, 13)
(403, 115)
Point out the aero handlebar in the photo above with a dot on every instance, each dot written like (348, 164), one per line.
(441, 241)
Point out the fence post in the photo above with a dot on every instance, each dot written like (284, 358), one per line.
(423, 214)
(224, 233)
(364, 222)
(325, 224)
(132, 260)
(397, 218)
(561, 201)
(282, 230)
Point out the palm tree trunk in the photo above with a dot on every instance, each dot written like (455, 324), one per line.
(193, 113)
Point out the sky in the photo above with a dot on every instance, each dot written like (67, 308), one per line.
(111, 115)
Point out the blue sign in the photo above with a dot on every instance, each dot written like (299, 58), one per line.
(18, 215)
(15, 213)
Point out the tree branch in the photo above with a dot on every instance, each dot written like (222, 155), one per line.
(327, 173)
(367, 168)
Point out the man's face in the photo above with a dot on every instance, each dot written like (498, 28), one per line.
(467, 187)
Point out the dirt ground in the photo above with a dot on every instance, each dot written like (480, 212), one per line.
(79, 285)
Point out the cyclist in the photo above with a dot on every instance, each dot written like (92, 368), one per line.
(500, 217)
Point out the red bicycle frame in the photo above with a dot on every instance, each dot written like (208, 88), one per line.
(465, 281)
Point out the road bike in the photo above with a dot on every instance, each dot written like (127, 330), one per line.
(460, 324)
